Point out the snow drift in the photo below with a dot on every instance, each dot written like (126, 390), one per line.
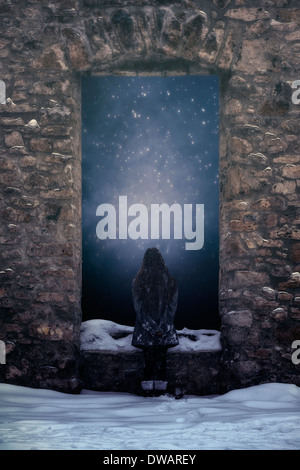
(259, 417)
(106, 335)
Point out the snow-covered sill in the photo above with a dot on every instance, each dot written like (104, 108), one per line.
(105, 335)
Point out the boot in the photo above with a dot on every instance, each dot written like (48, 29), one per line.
(160, 387)
(148, 388)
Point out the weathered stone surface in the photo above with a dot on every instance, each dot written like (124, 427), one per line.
(240, 147)
(284, 296)
(196, 373)
(7, 164)
(212, 44)
(291, 171)
(12, 122)
(250, 278)
(287, 187)
(77, 48)
(50, 250)
(240, 182)
(243, 225)
(247, 14)
(227, 53)
(52, 58)
(295, 252)
(13, 139)
(268, 292)
(291, 125)
(41, 144)
(28, 161)
(55, 131)
(254, 57)
(15, 215)
(195, 31)
(240, 318)
(222, 3)
(44, 49)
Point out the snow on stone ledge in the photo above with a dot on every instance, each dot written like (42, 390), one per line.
(109, 336)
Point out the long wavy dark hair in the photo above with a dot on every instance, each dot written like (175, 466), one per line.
(153, 284)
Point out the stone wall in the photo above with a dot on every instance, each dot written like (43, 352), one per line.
(45, 47)
(196, 372)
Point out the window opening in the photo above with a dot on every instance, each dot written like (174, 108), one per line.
(150, 168)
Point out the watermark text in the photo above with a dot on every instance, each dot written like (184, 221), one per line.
(296, 93)
(135, 222)
(2, 353)
(2, 92)
(296, 353)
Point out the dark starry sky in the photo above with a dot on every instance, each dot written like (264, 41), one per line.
(154, 140)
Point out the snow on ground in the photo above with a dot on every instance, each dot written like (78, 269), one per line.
(259, 417)
(107, 335)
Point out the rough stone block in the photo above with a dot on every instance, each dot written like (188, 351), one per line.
(254, 58)
(13, 139)
(247, 14)
(190, 373)
(240, 318)
(251, 278)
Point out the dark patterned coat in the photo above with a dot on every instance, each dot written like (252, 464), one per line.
(155, 295)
